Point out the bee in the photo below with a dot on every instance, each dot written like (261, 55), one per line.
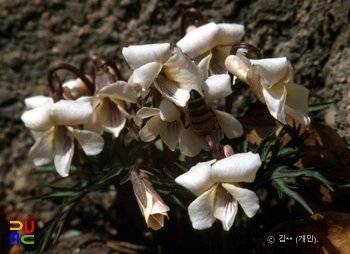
(200, 115)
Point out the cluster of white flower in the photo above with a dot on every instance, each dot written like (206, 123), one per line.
(189, 78)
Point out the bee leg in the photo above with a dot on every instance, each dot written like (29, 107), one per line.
(217, 152)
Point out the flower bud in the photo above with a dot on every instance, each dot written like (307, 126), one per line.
(151, 204)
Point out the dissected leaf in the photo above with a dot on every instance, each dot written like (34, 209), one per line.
(283, 187)
(310, 172)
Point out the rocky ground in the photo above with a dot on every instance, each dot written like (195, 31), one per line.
(314, 35)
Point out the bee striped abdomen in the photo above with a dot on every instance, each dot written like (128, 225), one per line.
(200, 115)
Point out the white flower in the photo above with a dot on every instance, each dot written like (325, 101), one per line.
(272, 82)
(167, 120)
(36, 101)
(215, 87)
(150, 203)
(215, 184)
(172, 75)
(164, 121)
(147, 62)
(109, 109)
(75, 88)
(55, 126)
(215, 39)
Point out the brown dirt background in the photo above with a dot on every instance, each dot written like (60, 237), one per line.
(314, 35)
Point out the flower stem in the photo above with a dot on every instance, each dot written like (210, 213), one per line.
(196, 18)
(57, 89)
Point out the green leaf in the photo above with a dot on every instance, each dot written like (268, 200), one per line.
(169, 174)
(238, 144)
(319, 106)
(308, 172)
(177, 201)
(277, 167)
(46, 231)
(125, 179)
(283, 187)
(275, 148)
(111, 174)
(266, 139)
(286, 150)
(183, 168)
(164, 192)
(46, 168)
(340, 182)
(53, 194)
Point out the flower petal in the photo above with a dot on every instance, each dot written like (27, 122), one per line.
(229, 124)
(169, 89)
(248, 200)
(151, 129)
(242, 54)
(275, 99)
(37, 134)
(94, 125)
(190, 143)
(147, 112)
(256, 83)
(110, 117)
(170, 133)
(201, 210)
(217, 64)
(91, 142)
(272, 70)
(296, 103)
(36, 101)
(120, 90)
(229, 34)
(297, 115)
(115, 130)
(38, 118)
(240, 167)
(158, 205)
(226, 207)
(70, 112)
(155, 221)
(148, 209)
(181, 69)
(42, 152)
(168, 111)
(146, 74)
(91, 99)
(217, 86)
(64, 150)
(76, 88)
(200, 40)
(198, 178)
(204, 64)
(136, 56)
(237, 67)
(155, 211)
